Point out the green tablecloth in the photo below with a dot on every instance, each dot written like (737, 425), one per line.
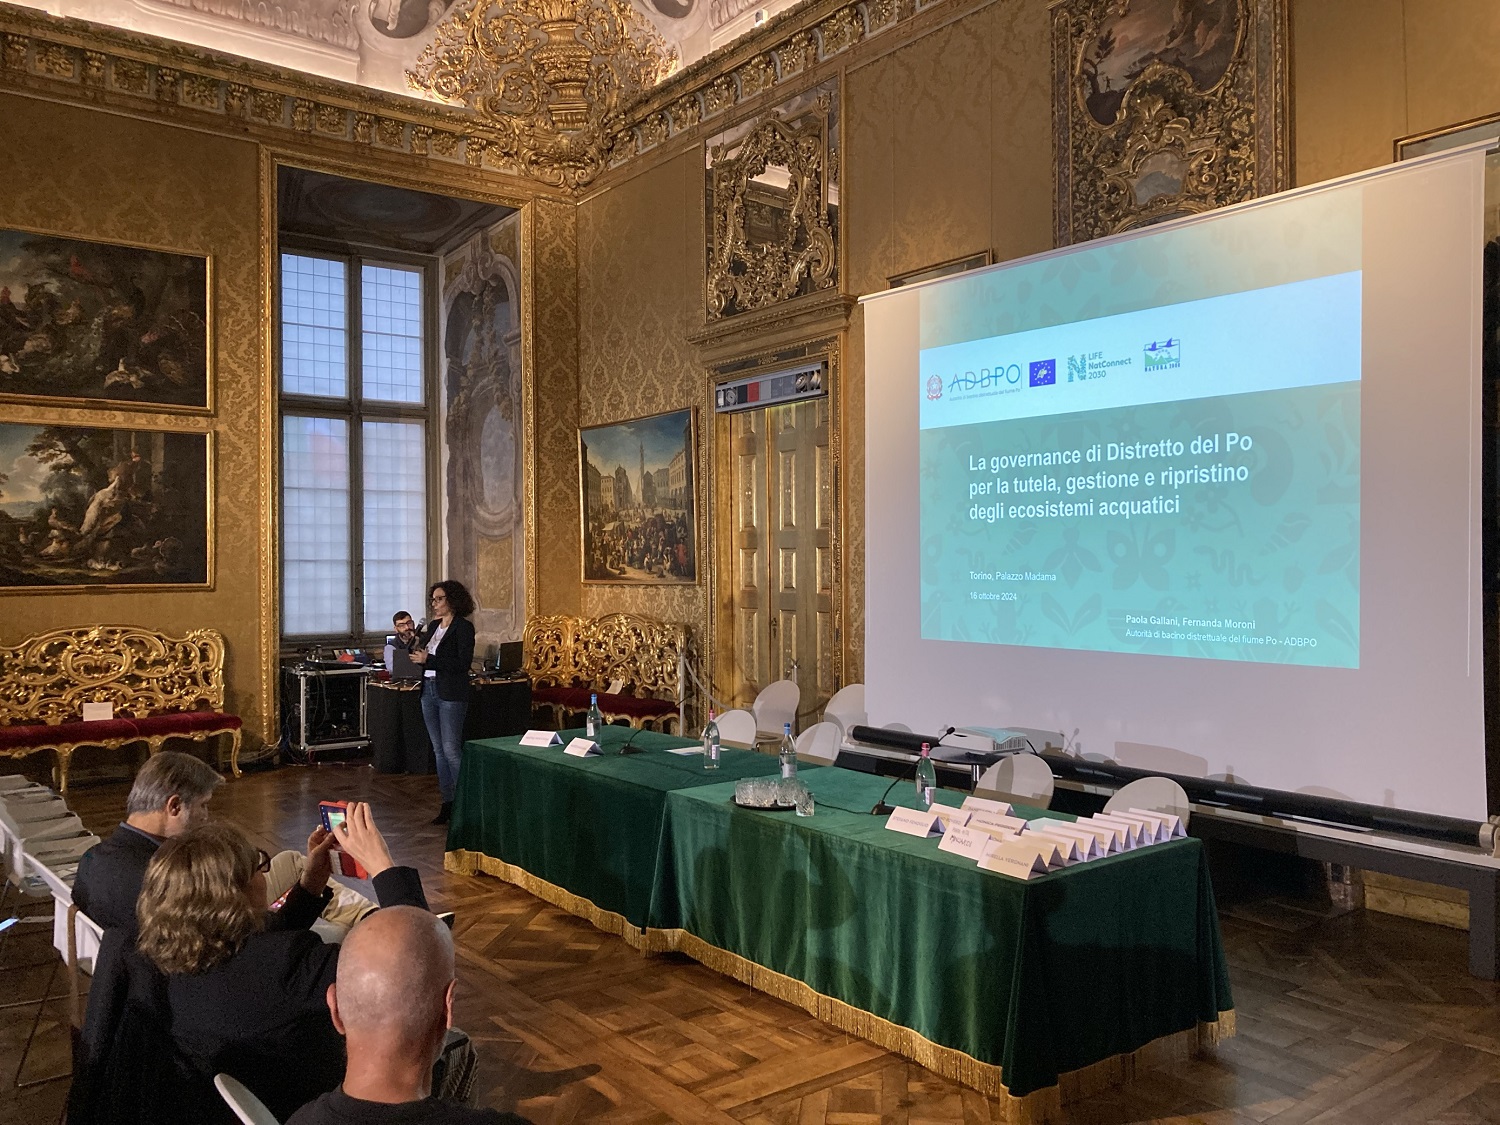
(592, 826)
(1038, 977)
(1029, 979)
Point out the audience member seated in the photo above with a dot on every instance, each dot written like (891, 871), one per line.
(217, 983)
(170, 795)
(393, 1002)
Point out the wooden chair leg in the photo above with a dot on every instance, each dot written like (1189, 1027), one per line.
(234, 753)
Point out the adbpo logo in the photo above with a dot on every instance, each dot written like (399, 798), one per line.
(934, 387)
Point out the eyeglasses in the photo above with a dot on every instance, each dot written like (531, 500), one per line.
(439, 598)
(262, 860)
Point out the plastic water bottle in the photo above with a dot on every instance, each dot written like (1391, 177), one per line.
(711, 743)
(926, 779)
(595, 720)
(788, 752)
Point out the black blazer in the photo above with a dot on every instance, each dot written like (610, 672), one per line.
(261, 1016)
(109, 878)
(452, 659)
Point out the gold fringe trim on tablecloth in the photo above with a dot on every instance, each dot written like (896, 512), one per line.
(1040, 1107)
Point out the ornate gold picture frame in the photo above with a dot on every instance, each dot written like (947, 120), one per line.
(1164, 108)
(104, 507)
(638, 484)
(102, 323)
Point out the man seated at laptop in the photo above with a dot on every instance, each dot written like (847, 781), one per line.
(398, 661)
(392, 1000)
(170, 795)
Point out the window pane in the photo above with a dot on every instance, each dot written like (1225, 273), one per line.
(395, 484)
(314, 335)
(314, 525)
(391, 322)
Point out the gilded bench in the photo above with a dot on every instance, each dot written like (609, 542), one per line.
(570, 657)
(161, 687)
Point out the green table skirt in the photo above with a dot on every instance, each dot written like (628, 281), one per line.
(1003, 984)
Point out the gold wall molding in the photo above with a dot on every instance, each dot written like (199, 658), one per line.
(1158, 120)
(550, 76)
(123, 72)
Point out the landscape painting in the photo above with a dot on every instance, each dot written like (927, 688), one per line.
(638, 501)
(92, 320)
(86, 506)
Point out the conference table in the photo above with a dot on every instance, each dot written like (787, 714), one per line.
(1005, 985)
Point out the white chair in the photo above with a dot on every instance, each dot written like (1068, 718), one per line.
(1023, 778)
(1153, 794)
(896, 726)
(15, 838)
(847, 708)
(737, 726)
(247, 1107)
(820, 741)
(775, 706)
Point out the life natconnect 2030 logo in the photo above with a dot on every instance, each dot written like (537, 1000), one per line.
(934, 387)
(1162, 355)
(1043, 372)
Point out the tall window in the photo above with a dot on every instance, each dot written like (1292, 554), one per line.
(356, 438)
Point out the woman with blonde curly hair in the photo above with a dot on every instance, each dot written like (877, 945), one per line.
(236, 989)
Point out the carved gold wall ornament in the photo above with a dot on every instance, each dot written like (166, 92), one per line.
(550, 76)
(772, 207)
(1164, 108)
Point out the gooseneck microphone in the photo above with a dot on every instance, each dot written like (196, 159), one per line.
(883, 809)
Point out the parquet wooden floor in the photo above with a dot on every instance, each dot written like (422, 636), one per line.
(1343, 1020)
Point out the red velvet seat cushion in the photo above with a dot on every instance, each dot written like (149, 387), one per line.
(80, 733)
(40, 734)
(185, 722)
(577, 699)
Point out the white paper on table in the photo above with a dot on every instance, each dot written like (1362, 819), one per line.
(686, 751)
(949, 816)
(541, 738)
(1130, 828)
(984, 804)
(914, 822)
(1016, 858)
(581, 748)
(968, 842)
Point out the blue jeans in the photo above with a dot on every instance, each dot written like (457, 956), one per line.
(445, 727)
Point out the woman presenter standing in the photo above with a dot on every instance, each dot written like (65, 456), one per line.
(445, 653)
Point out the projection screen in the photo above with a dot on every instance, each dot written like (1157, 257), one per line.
(1204, 497)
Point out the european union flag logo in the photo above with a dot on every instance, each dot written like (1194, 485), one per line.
(1043, 372)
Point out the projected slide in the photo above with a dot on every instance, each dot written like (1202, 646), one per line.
(1181, 480)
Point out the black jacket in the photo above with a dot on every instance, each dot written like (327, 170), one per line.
(152, 1043)
(452, 659)
(109, 878)
(338, 1108)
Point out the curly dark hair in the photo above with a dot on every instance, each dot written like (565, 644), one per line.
(460, 601)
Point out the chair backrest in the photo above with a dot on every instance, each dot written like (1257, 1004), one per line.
(1154, 794)
(896, 726)
(847, 707)
(737, 726)
(776, 705)
(247, 1107)
(821, 741)
(1022, 777)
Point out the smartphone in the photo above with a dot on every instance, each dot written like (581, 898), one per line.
(332, 813)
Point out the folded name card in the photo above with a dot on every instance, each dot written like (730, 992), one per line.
(914, 822)
(541, 738)
(969, 842)
(1128, 832)
(1173, 822)
(98, 712)
(1016, 858)
(984, 804)
(948, 816)
(581, 748)
(996, 823)
(1089, 844)
(1068, 850)
(1153, 827)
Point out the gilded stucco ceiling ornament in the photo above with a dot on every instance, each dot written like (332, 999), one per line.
(550, 77)
(773, 218)
(1165, 108)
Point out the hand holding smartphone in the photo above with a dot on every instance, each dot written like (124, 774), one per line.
(333, 813)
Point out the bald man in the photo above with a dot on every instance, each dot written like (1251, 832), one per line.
(392, 1000)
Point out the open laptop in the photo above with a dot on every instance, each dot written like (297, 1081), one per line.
(508, 660)
(398, 661)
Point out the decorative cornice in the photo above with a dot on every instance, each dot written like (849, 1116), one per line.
(76, 61)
